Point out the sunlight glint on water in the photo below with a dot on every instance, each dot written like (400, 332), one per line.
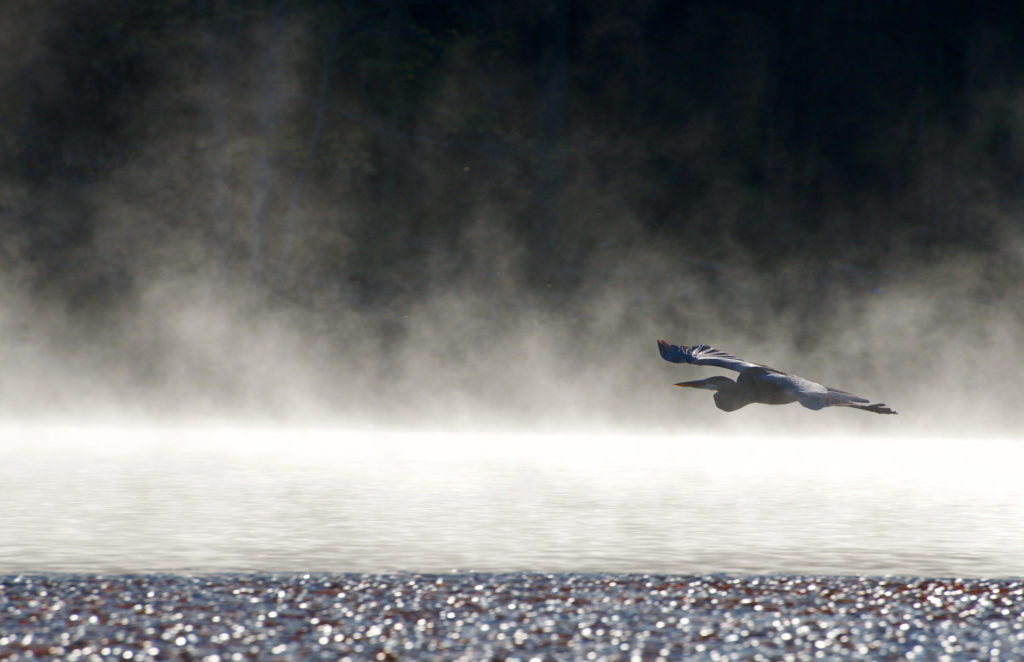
(231, 499)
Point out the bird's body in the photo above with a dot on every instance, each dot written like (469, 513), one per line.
(759, 383)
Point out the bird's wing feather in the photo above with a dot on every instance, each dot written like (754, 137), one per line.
(703, 355)
(812, 394)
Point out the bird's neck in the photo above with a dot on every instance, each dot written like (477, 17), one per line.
(730, 399)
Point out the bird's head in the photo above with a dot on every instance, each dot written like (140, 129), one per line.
(716, 383)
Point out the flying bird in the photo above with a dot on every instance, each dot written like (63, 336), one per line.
(759, 383)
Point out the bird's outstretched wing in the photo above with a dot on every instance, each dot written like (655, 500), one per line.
(815, 396)
(703, 355)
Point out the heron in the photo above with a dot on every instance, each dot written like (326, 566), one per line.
(759, 383)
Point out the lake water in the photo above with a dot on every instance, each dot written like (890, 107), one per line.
(227, 499)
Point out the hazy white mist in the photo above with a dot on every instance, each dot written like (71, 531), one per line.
(217, 237)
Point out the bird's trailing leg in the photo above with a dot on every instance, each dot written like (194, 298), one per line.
(878, 408)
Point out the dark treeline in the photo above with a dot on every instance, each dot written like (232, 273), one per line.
(361, 152)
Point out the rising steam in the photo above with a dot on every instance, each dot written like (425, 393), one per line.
(266, 244)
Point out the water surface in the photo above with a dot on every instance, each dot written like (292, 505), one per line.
(225, 499)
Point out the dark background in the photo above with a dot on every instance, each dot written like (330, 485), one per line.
(370, 178)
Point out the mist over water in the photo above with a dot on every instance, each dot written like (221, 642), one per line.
(449, 244)
(462, 360)
(144, 500)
